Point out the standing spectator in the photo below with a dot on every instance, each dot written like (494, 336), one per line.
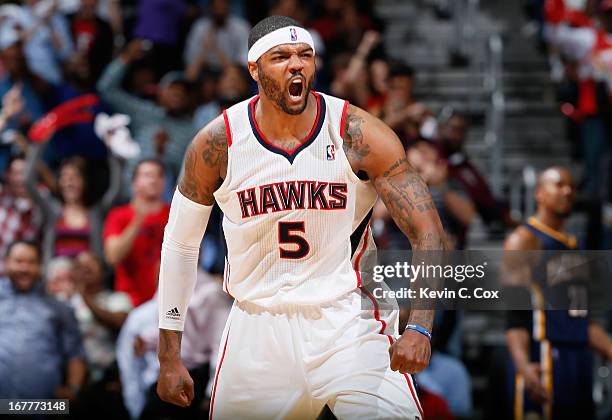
(12, 104)
(93, 38)
(218, 40)
(32, 89)
(41, 354)
(19, 219)
(159, 21)
(46, 36)
(72, 224)
(133, 234)
(172, 112)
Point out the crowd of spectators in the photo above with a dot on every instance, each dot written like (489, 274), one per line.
(81, 223)
(578, 39)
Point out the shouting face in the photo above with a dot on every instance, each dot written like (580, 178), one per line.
(285, 75)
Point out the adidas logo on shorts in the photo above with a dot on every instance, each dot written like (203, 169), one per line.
(173, 313)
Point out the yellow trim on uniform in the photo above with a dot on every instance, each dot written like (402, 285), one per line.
(519, 388)
(546, 363)
(539, 316)
(565, 238)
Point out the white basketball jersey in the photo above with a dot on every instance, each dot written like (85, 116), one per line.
(295, 221)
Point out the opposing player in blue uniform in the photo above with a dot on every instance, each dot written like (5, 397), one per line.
(551, 370)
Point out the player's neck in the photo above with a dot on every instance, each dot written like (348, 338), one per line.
(277, 125)
(551, 220)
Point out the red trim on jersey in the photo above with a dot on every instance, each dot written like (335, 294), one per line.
(410, 387)
(225, 276)
(306, 140)
(343, 120)
(414, 396)
(228, 131)
(212, 399)
(376, 313)
(358, 258)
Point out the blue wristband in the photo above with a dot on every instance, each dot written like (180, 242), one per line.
(420, 329)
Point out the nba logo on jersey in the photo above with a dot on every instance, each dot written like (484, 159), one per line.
(331, 152)
(293, 34)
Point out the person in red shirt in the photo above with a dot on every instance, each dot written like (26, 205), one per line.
(133, 233)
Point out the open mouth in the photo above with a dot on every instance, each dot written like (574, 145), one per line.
(296, 87)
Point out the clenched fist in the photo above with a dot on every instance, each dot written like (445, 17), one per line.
(411, 353)
(175, 384)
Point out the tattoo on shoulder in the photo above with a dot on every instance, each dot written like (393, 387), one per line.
(215, 151)
(208, 150)
(354, 145)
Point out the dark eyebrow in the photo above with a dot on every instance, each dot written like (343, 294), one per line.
(284, 50)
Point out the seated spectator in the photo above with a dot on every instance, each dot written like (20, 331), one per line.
(138, 366)
(172, 112)
(233, 87)
(58, 279)
(133, 234)
(219, 40)
(454, 206)
(448, 378)
(99, 311)
(401, 111)
(41, 353)
(137, 351)
(451, 137)
(350, 78)
(19, 218)
(72, 225)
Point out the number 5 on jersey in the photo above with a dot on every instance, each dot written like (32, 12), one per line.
(286, 235)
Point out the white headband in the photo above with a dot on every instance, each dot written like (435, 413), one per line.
(286, 35)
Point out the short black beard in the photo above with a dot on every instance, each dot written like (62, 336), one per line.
(274, 92)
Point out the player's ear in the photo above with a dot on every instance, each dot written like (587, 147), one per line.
(252, 66)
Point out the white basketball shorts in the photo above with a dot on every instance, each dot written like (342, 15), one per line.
(288, 362)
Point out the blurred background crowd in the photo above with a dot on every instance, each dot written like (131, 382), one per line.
(483, 94)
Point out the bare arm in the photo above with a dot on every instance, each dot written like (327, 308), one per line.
(112, 319)
(599, 340)
(518, 345)
(373, 147)
(516, 271)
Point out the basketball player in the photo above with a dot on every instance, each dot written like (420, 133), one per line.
(551, 374)
(296, 173)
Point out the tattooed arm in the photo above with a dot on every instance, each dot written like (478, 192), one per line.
(205, 163)
(205, 166)
(371, 146)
